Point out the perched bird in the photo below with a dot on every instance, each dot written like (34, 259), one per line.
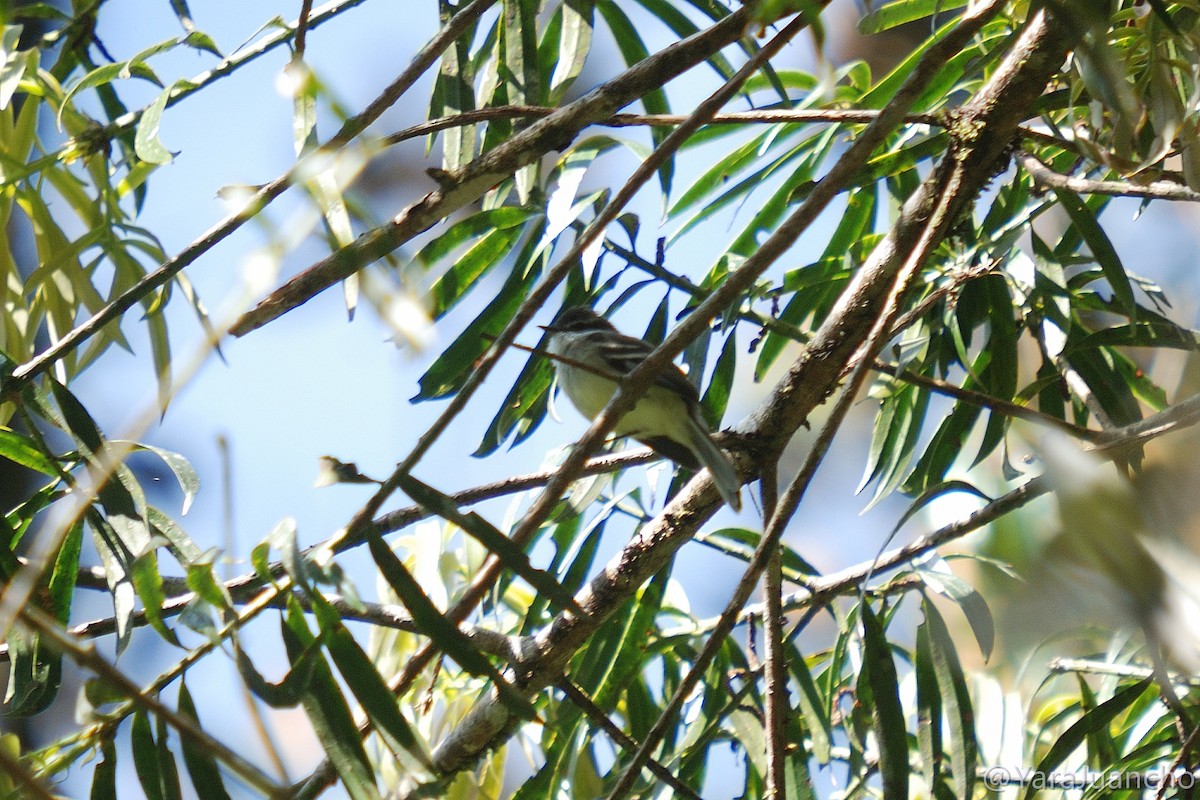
(592, 357)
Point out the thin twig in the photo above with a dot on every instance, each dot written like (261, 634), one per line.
(1187, 745)
(840, 116)
(776, 667)
(302, 23)
(622, 739)
(1047, 178)
(1089, 667)
(995, 404)
(653, 120)
(179, 595)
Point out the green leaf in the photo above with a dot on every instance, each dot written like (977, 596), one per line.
(452, 95)
(741, 544)
(970, 601)
(1105, 374)
(472, 265)
(66, 569)
(819, 726)
(200, 40)
(179, 543)
(578, 552)
(720, 385)
(364, 680)
(1141, 334)
(327, 710)
(167, 767)
(956, 700)
(14, 64)
(202, 580)
(444, 633)
(35, 673)
(574, 44)
(24, 451)
(1101, 248)
(1101, 749)
(887, 714)
(894, 440)
(78, 421)
(934, 492)
(106, 74)
(104, 778)
(617, 659)
(524, 408)
(288, 692)
(929, 710)
(160, 352)
(201, 766)
(524, 83)
(473, 227)
(1096, 720)
(898, 12)
(146, 143)
(145, 756)
(148, 584)
(117, 559)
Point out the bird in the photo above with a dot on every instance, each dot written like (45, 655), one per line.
(591, 357)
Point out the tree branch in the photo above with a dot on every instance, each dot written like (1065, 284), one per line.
(1046, 178)
(627, 392)
(837, 116)
(1019, 82)
(1089, 667)
(622, 739)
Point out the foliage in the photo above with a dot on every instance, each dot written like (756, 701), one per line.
(492, 634)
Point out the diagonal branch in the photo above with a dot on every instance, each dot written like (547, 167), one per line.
(767, 556)
(986, 127)
(637, 381)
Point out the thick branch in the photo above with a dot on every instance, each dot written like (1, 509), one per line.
(983, 133)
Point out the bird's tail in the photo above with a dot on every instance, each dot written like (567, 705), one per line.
(719, 466)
